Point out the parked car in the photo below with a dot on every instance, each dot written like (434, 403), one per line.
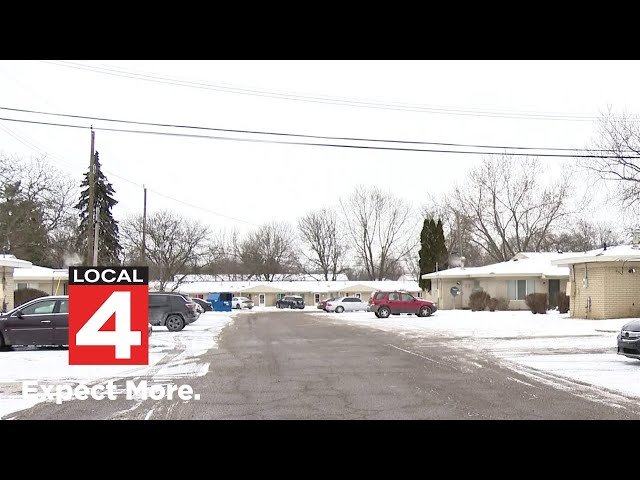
(41, 321)
(322, 305)
(629, 340)
(347, 304)
(384, 304)
(172, 310)
(241, 302)
(206, 306)
(290, 301)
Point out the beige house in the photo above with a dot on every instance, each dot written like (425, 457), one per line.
(525, 273)
(49, 280)
(9, 264)
(604, 283)
(267, 293)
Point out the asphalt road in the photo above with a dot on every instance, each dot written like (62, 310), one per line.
(295, 365)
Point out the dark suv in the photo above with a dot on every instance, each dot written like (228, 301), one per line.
(172, 310)
(290, 301)
(384, 304)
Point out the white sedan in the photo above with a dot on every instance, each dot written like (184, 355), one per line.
(346, 304)
(241, 302)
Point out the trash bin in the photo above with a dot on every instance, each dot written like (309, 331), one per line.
(220, 301)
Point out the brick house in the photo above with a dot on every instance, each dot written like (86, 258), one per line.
(604, 283)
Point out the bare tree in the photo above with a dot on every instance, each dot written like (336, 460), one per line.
(383, 230)
(269, 251)
(583, 235)
(173, 245)
(222, 257)
(321, 233)
(508, 208)
(616, 157)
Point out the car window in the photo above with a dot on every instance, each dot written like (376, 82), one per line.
(407, 298)
(157, 300)
(380, 296)
(393, 297)
(40, 308)
(63, 306)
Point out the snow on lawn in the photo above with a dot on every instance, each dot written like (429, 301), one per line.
(579, 350)
(171, 355)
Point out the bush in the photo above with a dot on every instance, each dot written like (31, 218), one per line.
(537, 302)
(492, 304)
(502, 304)
(478, 301)
(24, 295)
(563, 302)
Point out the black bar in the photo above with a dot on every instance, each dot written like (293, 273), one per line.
(108, 275)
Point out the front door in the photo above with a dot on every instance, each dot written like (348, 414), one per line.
(261, 299)
(554, 288)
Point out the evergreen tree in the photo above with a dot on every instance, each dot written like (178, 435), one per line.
(427, 252)
(442, 256)
(109, 248)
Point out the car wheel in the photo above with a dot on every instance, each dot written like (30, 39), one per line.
(238, 307)
(292, 306)
(377, 314)
(3, 346)
(339, 309)
(425, 312)
(174, 323)
(384, 312)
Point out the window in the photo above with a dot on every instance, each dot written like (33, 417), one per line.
(24, 286)
(280, 296)
(393, 297)
(380, 296)
(316, 298)
(64, 306)
(157, 300)
(519, 289)
(419, 295)
(40, 308)
(358, 295)
(407, 298)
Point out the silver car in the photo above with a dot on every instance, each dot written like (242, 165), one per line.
(347, 304)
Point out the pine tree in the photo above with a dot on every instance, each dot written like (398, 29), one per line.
(442, 256)
(109, 248)
(427, 252)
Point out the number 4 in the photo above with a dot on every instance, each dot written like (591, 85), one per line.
(123, 338)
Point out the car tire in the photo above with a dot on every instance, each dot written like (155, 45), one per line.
(384, 312)
(3, 346)
(174, 323)
(292, 306)
(377, 314)
(425, 312)
(339, 309)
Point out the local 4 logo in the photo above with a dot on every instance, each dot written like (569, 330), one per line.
(108, 315)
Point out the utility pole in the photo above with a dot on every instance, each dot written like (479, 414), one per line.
(90, 207)
(459, 233)
(144, 227)
(96, 235)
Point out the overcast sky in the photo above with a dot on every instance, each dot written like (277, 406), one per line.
(426, 101)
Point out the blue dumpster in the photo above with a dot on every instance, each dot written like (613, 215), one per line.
(220, 301)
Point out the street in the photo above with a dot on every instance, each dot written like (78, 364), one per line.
(301, 365)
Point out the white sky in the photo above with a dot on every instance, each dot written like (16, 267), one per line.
(258, 182)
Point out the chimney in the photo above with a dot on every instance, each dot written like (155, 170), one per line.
(636, 238)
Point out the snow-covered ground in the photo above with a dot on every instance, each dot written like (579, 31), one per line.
(171, 355)
(553, 345)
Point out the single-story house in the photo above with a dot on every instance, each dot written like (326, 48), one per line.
(604, 283)
(265, 293)
(9, 264)
(513, 280)
(53, 281)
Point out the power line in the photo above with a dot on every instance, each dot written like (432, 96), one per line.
(156, 78)
(319, 137)
(365, 147)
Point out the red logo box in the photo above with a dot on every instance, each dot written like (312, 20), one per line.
(108, 316)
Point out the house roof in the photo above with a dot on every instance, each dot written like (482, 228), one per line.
(293, 286)
(35, 272)
(12, 261)
(618, 253)
(523, 264)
